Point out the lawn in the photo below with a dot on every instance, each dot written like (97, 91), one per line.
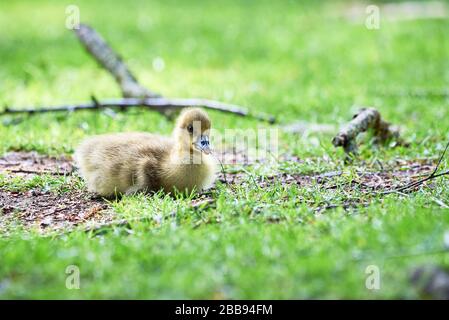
(299, 60)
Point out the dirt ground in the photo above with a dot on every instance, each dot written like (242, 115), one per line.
(49, 210)
(43, 208)
(26, 163)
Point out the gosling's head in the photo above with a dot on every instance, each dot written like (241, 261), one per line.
(192, 130)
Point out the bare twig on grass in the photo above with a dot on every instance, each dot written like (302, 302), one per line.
(432, 176)
(157, 104)
(135, 95)
(365, 119)
(108, 59)
(112, 62)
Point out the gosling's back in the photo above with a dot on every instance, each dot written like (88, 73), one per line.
(111, 163)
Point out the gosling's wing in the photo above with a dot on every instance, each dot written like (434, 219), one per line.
(154, 146)
(102, 150)
(112, 162)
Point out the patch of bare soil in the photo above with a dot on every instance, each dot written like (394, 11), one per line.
(45, 209)
(29, 163)
(50, 210)
(400, 173)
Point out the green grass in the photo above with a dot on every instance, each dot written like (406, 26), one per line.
(299, 61)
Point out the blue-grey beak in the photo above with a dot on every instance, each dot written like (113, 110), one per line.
(203, 144)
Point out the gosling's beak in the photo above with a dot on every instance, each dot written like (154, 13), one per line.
(203, 144)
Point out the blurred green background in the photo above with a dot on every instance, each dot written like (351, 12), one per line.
(313, 61)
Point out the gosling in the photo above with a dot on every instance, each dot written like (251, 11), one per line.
(126, 163)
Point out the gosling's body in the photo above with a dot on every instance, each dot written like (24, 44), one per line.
(125, 163)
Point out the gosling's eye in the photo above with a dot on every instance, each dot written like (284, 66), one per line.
(190, 128)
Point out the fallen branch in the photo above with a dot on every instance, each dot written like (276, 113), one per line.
(365, 119)
(108, 59)
(156, 104)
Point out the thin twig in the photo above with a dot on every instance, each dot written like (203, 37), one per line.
(156, 104)
(433, 175)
